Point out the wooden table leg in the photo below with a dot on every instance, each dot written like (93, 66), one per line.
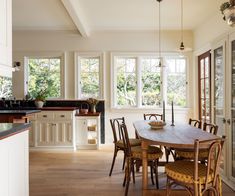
(144, 146)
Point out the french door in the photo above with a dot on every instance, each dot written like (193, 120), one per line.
(219, 93)
(204, 84)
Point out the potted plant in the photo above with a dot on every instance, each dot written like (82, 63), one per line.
(228, 10)
(40, 98)
(93, 102)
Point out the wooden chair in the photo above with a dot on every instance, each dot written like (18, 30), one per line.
(189, 154)
(196, 177)
(118, 140)
(211, 128)
(152, 116)
(195, 123)
(134, 155)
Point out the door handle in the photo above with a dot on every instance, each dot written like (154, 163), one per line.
(224, 120)
(229, 121)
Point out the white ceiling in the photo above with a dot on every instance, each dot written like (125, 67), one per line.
(100, 15)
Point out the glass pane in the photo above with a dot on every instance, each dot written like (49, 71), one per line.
(233, 143)
(5, 87)
(207, 67)
(44, 75)
(233, 74)
(219, 78)
(202, 88)
(176, 83)
(90, 84)
(126, 82)
(202, 68)
(90, 65)
(151, 82)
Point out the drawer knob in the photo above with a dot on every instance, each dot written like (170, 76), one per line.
(62, 116)
(44, 116)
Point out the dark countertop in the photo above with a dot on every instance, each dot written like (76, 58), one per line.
(88, 114)
(19, 112)
(9, 129)
(58, 108)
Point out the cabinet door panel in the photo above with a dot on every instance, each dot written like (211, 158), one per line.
(81, 126)
(63, 133)
(45, 134)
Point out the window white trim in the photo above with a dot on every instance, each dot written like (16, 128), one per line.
(77, 57)
(61, 56)
(139, 56)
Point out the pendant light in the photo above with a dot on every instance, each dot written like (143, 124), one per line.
(159, 33)
(182, 48)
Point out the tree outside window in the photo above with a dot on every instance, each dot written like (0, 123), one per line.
(44, 74)
(5, 87)
(90, 79)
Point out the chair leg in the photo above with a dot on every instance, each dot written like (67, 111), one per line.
(124, 160)
(133, 170)
(156, 173)
(167, 153)
(151, 171)
(127, 173)
(114, 158)
(167, 186)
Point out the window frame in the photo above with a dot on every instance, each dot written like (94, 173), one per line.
(139, 56)
(78, 56)
(62, 72)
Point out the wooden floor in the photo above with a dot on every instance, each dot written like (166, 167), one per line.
(67, 173)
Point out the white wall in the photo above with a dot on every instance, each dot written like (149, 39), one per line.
(27, 43)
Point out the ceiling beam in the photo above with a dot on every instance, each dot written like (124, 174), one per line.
(76, 15)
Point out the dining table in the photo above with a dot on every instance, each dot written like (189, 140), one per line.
(180, 135)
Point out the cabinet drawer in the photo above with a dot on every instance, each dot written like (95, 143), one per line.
(45, 116)
(64, 116)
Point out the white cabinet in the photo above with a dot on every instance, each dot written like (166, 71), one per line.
(32, 120)
(14, 165)
(6, 37)
(87, 132)
(55, 129)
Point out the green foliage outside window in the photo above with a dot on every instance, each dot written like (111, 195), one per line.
(90, 77)
(44, 76)
(5, 87)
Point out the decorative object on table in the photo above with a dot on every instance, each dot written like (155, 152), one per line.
(172, 114)
(228, 10)
(164, 112)
(93, 102)
(40, 98)
(84, 108)
(157, 124)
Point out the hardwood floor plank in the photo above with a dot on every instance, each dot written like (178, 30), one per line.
(85, 173)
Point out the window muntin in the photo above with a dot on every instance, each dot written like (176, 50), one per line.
(126, 87)
(44, 74)
(5, 87)
(176, 81)
(90, 77)
(152, 85)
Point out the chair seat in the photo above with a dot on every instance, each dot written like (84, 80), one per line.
(153, 152)
(133, 142)
(183, 171)
(189, 154)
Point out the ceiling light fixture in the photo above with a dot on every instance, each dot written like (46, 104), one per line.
(228, 10)
(182, 48)
(159, 33)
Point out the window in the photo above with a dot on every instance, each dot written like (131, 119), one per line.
(138, 81)
(204, 75)
(5, 87)
(176, 81)
(126, 81)
(89, 76)
(45, 74)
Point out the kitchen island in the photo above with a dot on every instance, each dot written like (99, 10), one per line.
(14, 162)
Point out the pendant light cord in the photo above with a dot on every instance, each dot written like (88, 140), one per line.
(159, 34)
(182, 21)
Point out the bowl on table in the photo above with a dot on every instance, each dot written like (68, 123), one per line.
(157, 124)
